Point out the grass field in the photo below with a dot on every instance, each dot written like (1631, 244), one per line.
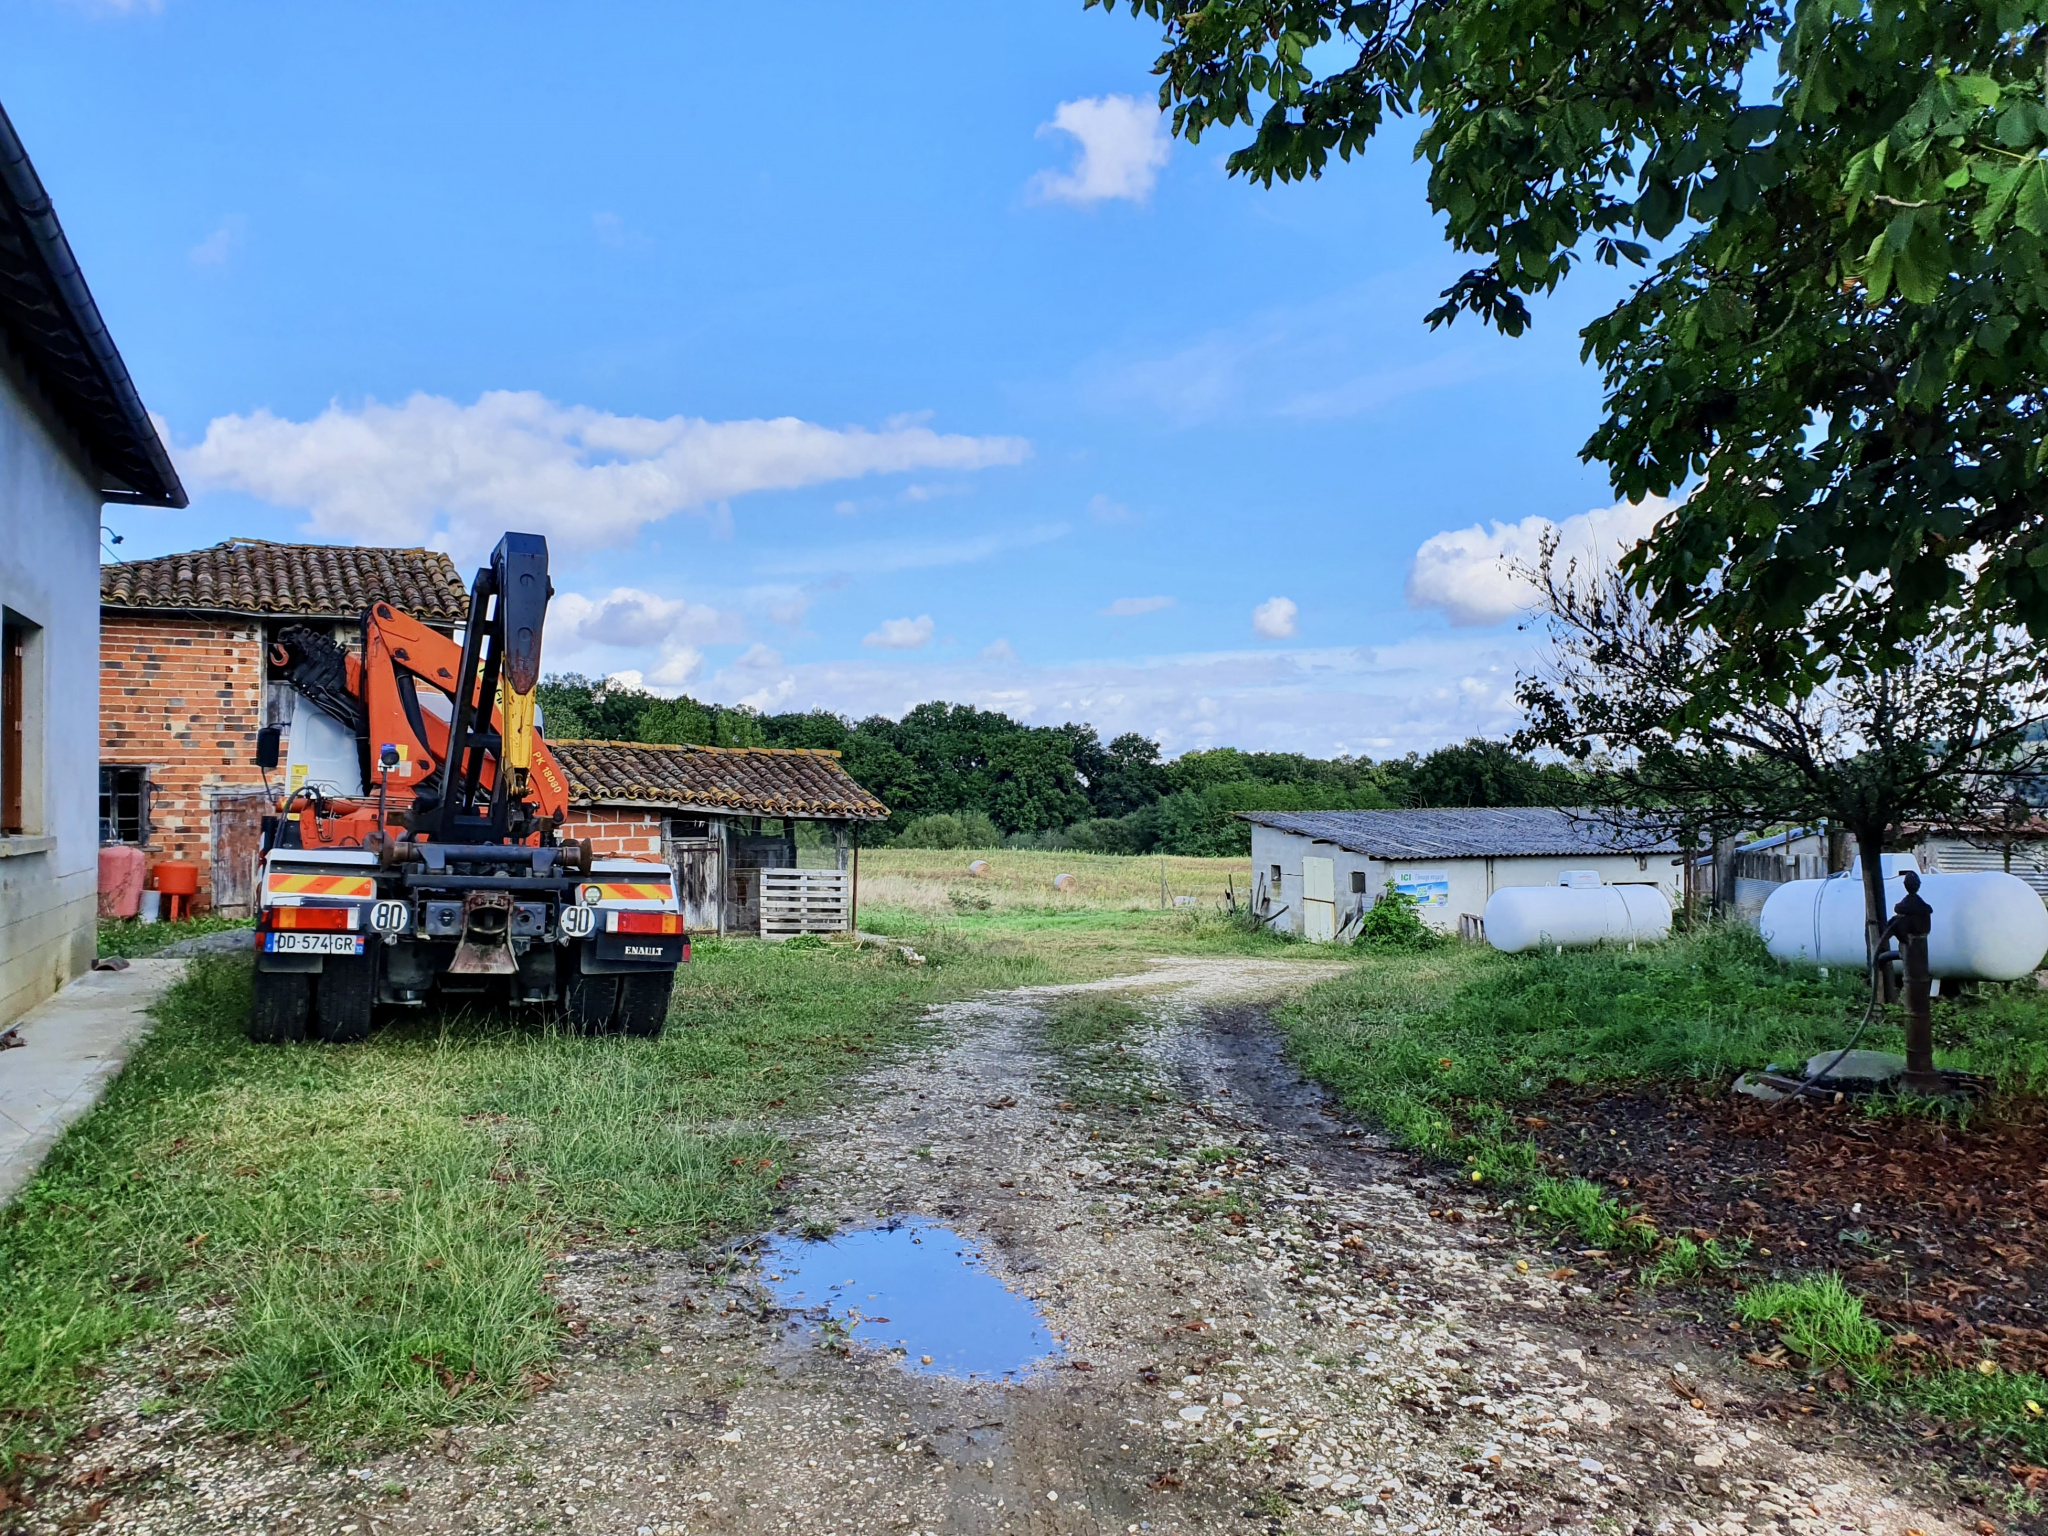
(934, 883)
(348, 1245)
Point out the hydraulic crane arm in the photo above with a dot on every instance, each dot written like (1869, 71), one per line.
(404, 692)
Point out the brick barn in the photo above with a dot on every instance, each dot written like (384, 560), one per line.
(727, 819)
(185, 685)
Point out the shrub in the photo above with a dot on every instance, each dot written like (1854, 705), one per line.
(968, 829)
(1395, 922)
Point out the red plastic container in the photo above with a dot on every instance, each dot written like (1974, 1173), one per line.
(121, 870)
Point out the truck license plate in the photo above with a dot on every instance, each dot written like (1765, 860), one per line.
(313, 943)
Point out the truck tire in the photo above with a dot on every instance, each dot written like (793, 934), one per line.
(277, 1012)
(588, 1003)
(344, 997)
(643, 1003)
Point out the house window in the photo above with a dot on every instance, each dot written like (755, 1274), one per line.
(1276, 874)
(124, 804)
(684, 826)
(16, 725)
(1358, 882)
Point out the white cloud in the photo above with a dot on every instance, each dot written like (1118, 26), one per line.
(1469, 573)
(759, 658)
(901, 634)
(999, 650)
(217, 247)
(1131, 607)
(1274, 618)
(1380, 702)
(1300, 362)
(879, 558)
(629, 618)
(1124, 144)
(462, 474)
(1103, 510)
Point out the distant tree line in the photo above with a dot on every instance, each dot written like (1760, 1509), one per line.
(956, 776)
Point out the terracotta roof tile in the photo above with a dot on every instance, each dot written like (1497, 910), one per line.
(744, 781)
(315, 581)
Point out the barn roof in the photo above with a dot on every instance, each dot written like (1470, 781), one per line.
(1473, 833)
(309, 581)
(804, 783)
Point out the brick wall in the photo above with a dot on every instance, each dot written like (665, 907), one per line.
(615, 831)
(182, 696)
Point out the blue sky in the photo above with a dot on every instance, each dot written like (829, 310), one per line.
(848, 356)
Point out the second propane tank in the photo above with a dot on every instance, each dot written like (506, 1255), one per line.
(1987, 926)
(1525, 917)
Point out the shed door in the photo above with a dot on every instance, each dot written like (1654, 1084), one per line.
(1318, 899)
(748, 856)
(696, 863)
(237, 835)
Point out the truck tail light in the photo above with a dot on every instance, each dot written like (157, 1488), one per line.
(647, 922)
(318, 919)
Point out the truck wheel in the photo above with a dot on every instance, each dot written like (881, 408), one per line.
(588, 1002)
(344, 997)
(277, 1014)
(643, 1002)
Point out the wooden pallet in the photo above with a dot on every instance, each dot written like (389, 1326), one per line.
(795, 901)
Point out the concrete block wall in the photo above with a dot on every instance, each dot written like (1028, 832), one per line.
(183, 696)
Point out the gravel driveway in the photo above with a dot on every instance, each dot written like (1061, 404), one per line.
(1269, 1322)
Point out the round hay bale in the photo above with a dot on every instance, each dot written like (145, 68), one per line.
(978, 868)
(1066, 883)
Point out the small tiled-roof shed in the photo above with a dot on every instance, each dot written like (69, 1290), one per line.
(726, 817)
(184, 683)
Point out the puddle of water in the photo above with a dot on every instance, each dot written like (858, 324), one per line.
(914, 1286)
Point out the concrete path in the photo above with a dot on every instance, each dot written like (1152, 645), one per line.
(73, 1045)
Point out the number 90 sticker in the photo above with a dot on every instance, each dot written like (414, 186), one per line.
(578, 922)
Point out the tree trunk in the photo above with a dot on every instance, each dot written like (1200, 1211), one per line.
(1724, 878)
(1870, 849)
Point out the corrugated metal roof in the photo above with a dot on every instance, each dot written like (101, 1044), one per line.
(742, 781)
(1472, 833)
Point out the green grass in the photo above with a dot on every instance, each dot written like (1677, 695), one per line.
(131, 939)
(1820, 1320)
(1094, 1034)
(1578, 1206)
(348, 1244)
(1447, 1049)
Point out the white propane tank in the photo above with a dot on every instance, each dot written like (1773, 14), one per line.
(1525, 917)
(1987, 926)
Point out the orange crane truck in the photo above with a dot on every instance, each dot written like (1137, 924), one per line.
(414, 855)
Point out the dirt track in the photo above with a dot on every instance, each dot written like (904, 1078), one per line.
(1343, 1359)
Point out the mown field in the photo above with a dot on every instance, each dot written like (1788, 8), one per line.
(934, 883)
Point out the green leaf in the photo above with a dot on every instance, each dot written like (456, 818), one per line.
(2030, 207)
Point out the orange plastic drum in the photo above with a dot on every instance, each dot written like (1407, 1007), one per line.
(176, 877)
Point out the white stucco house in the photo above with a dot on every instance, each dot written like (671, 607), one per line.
(73, 437)
(1318, 870)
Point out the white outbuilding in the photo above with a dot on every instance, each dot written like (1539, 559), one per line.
(1318, 871)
